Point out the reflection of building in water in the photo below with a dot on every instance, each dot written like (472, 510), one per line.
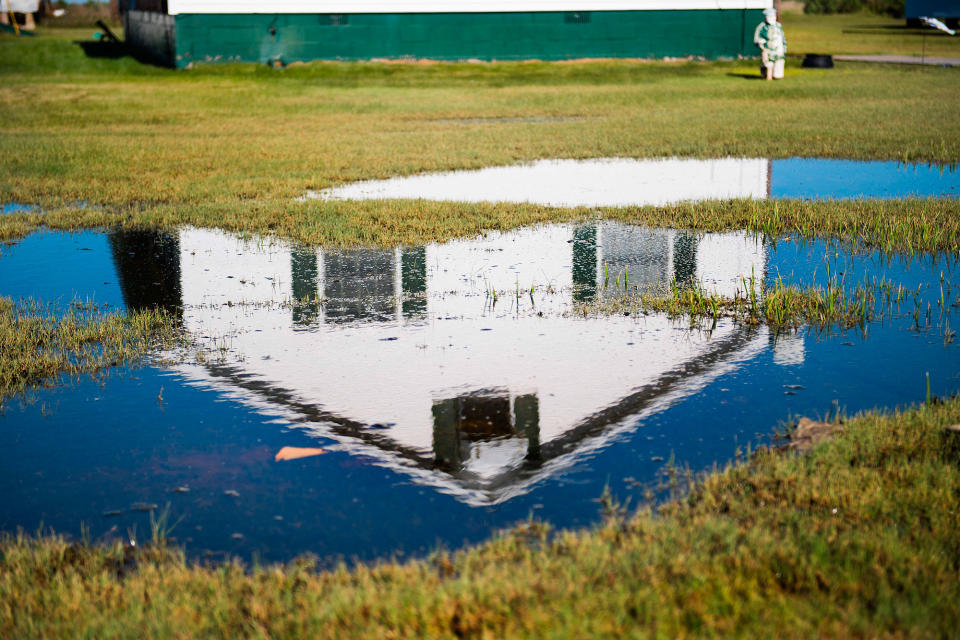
(486, 433)
(788, 350)
(406, 360)
(359, 283)
(148, 267)
(610, 182)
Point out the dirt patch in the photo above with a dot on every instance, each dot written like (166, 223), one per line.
(810, 433)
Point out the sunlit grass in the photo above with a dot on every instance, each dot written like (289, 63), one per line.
(239, 138)
(908, 226)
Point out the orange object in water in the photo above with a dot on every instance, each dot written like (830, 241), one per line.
(295, 453)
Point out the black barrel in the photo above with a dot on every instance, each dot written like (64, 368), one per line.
(817, 61)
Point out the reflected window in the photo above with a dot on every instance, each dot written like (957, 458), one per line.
(359, 285)
(685, 259)
(413, 279)
(303, 272)
(462, 424)
(585, 263)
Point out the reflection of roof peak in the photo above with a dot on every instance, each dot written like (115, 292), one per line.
(579, 440)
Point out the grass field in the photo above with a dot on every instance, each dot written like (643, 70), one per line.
(234, 145)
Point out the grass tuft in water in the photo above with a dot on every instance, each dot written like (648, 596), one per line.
(38, 343)
(778, 305)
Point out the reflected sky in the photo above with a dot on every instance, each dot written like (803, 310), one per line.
(445, 411)
(626, 182)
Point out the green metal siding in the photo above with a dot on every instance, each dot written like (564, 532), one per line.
(461, 36)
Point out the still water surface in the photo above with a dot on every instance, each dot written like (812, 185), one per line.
(615, 182)
(443, 415)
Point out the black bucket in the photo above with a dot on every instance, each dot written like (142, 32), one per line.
(817, 61)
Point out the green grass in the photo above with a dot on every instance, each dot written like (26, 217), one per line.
(913, 225)
(856, 539)
(778, 305)
(864, 33)
(234, 145)
(38, 344)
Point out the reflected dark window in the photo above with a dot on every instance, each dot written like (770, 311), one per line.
(479, 417)
(585, 263)
(640, 256)
(685, 259)
(413, 281)
(148, 265)
(359, 285)
(526, 419)
(303, 272)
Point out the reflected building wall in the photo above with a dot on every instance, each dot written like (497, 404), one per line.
(543, 375)
(413, 282)
(148, 266)
(584, 262)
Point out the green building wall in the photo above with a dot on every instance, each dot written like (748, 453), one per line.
(558, 35)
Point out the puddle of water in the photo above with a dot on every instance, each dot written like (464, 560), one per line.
(421, 390)
(613, 182)
(13, 207)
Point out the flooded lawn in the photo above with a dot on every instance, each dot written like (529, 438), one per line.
(365, 403)
(612, 182)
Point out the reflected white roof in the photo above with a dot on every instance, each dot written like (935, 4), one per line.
(338, 379)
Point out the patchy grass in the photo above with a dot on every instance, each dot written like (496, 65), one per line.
(239, 138)
(38, 344)
(856, 539)
(925, 225)
(778, 305)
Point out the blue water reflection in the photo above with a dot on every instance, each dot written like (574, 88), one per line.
(619, 182)
(443, 417)
(816, 178)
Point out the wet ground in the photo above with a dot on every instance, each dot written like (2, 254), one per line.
(449, 386)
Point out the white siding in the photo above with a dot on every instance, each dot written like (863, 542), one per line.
(446, 6)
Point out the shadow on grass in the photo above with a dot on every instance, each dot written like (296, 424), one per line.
(746, 76)
(110, 50)
(102, 49)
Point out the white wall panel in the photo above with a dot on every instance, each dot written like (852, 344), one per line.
(446, 6)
